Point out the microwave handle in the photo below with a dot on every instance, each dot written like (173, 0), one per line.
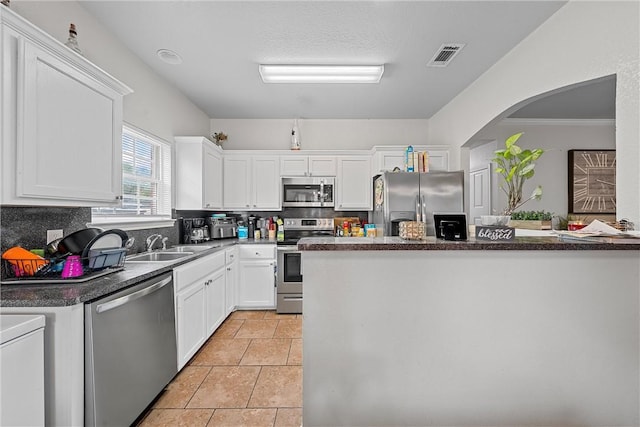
(322, 192)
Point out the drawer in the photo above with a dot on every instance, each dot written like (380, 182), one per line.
(248, 252)
(231, 255)
(289, 304)
(189, 273)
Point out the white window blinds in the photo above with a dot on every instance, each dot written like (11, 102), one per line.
(146, 178)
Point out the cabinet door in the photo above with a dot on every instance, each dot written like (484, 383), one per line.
(354, 183)
(231, 285)
(322, 166)
(438, 160)
(266, 183)
(190, 321)
(216, 300)
(256, 288)
(212, 178)
(388, 160)
(237, 182)
(69, 135)
(294, 165)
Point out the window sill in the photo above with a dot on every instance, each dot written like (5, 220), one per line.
(128, 224)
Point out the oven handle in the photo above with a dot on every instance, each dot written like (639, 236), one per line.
(286, 298)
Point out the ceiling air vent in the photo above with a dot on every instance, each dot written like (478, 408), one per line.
(445, 54)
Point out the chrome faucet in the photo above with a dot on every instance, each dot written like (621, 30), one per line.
(164, 243)
(151, 240)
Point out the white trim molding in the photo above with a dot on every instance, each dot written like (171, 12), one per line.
(560, 122)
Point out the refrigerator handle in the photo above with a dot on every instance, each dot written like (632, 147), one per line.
(424, 210)
(418, 209)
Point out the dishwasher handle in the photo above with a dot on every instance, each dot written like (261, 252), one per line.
(101, 308)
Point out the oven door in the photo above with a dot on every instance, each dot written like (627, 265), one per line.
(289, 270)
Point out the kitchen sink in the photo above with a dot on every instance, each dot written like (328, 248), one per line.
(158, 256)
(192, 248)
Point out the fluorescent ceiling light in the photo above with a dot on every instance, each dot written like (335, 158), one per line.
(321, 73)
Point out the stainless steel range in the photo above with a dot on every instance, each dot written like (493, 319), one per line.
(289, 278)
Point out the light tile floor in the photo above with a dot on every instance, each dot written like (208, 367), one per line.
(249, 373)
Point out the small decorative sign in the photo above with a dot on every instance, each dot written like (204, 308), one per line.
(495, 233)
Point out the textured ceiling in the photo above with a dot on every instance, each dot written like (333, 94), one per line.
(222, 43)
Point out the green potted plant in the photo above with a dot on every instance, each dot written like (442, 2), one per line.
(533, 220)
(516, 166)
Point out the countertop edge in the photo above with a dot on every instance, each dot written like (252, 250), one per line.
(64, 295)
(528, 243)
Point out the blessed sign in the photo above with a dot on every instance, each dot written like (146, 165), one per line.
(495, 233)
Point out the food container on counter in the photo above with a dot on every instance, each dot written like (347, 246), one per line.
(412, 230)
(243, 232)
(370, 230)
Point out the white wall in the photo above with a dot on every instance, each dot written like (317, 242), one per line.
(584, 40)
(320, 134)
(555, 137)
(155, 106)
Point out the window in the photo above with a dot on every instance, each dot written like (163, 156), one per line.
(146, 183)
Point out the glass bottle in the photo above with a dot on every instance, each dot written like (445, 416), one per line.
(72, 41)
(295, 136)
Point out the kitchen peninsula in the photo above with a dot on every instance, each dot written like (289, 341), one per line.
(430, 333)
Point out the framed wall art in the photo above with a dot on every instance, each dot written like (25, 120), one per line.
(592, 181)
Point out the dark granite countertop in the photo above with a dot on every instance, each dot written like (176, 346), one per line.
(61, 295)
(433, 244)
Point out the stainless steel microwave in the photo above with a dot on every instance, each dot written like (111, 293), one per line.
(308, 192)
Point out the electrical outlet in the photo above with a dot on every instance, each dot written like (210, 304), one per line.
(53, 235)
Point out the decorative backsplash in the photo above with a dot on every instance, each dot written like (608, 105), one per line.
(27, 226)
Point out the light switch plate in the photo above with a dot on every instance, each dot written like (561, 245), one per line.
(53, 235)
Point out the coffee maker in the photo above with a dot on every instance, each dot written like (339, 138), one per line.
(194, 230)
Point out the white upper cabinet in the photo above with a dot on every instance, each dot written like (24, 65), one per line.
(353, 183)
(389, 157)
(251, 182)
(301, 165)
(198, 173)
(61, 123)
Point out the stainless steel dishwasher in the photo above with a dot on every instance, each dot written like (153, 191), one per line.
(130, 351)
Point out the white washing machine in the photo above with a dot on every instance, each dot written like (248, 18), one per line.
(21, 370)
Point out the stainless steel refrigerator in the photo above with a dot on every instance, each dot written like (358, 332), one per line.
(410, 196)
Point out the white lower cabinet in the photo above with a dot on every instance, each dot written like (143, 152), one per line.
(190, 322)
(200, 302)
(256, 287)
(231, 279)
(216, 301)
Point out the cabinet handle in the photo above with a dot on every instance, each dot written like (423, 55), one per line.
(247, 206)
(228, 268)
(257, 253)
(119, 197)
